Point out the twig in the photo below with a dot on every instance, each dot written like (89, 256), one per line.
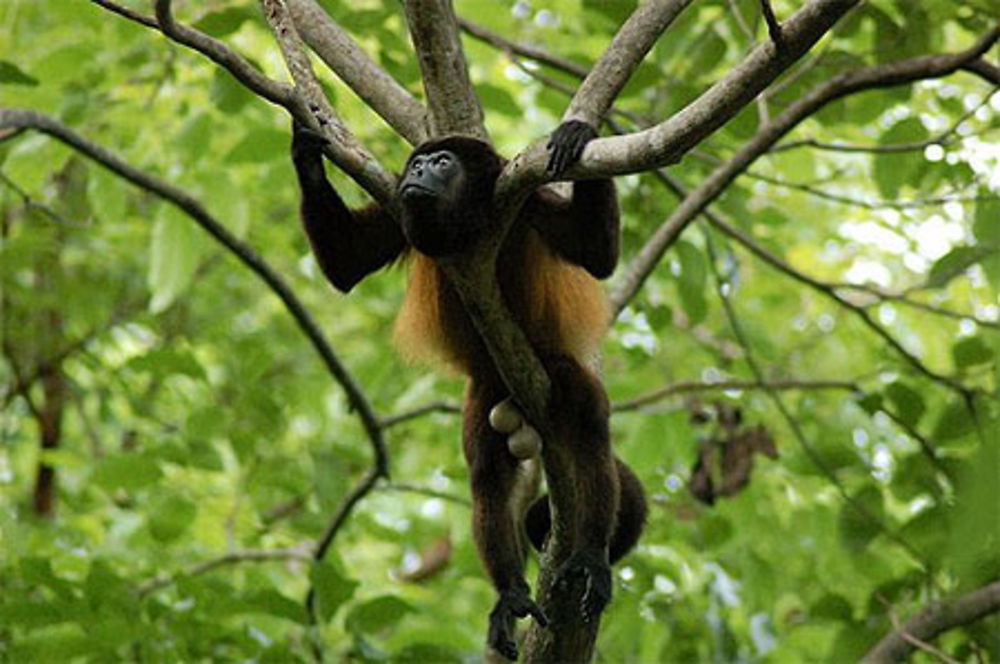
(688, 387)
(233, 558)
(434, 407)
(936, 619)
(424, 491)
(773, 27)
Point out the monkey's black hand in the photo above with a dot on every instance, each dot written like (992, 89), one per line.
(307, 151)
(514, 603)
(592, 565)
(566, 144)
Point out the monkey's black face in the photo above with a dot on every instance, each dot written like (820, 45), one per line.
(445, 193)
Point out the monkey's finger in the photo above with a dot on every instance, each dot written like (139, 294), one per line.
(538, 615)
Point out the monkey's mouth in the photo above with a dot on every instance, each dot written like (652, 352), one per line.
(413, 190)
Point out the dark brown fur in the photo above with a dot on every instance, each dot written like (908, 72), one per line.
(547, 272)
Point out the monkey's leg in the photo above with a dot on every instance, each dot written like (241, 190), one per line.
(493, 474)
(629, 521)
(579, 414)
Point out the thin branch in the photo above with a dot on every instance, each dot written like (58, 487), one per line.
(370, 82)
(773, 27)
(945, 137)
(985, 70)
(898, 73)
(690, 387)
(512, 48)
(426, 492)
(233, 558)
(433, 407)
(933, 621)
(454, 106)
(902, 298)
(274, 91)
(630, 45)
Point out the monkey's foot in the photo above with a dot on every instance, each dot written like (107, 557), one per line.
(592, 565)
(514, 603)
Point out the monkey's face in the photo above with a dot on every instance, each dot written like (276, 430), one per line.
(445, 195)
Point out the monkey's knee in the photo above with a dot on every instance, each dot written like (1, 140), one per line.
(632, 511)
(537, 522)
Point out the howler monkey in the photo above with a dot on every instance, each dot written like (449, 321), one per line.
(546, 271)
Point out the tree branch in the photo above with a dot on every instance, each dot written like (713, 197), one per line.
(906, 71)
(344, 149)
(608, 76)
(348, 60)
(689, 387)
(668, 141)
(453, 103)
(938, 618)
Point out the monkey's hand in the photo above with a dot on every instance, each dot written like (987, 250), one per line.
(307, 149)
(513, 603)
(592, 565)
(566, 144)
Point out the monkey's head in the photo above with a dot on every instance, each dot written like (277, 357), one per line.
(446, 194)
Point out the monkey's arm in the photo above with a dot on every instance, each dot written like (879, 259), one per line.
(348, 245)
(586, 229)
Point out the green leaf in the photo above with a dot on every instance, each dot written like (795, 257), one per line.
(499, 100)
(127, 471)
(166, 361)
(859, 519)
(893, 170)
(14, 75)
(260, 145)
(954, 422)
(986, 223)
(227, 93)
(955, 263)
(224, 22)
(970, 352)
(376, 614)
(170, 516)
(616, 11)
(691, 281)
(908, 402)
(173, 259)
(332, 588)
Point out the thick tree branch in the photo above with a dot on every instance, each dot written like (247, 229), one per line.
(933, 621)
(451, 98)
(348, 60)
(985, 70)
(906, 71)
(667, 142)
(609, 75)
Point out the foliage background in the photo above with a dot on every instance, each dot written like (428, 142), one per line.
(197, 422)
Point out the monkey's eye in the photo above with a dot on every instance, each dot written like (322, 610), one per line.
(442, 160)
